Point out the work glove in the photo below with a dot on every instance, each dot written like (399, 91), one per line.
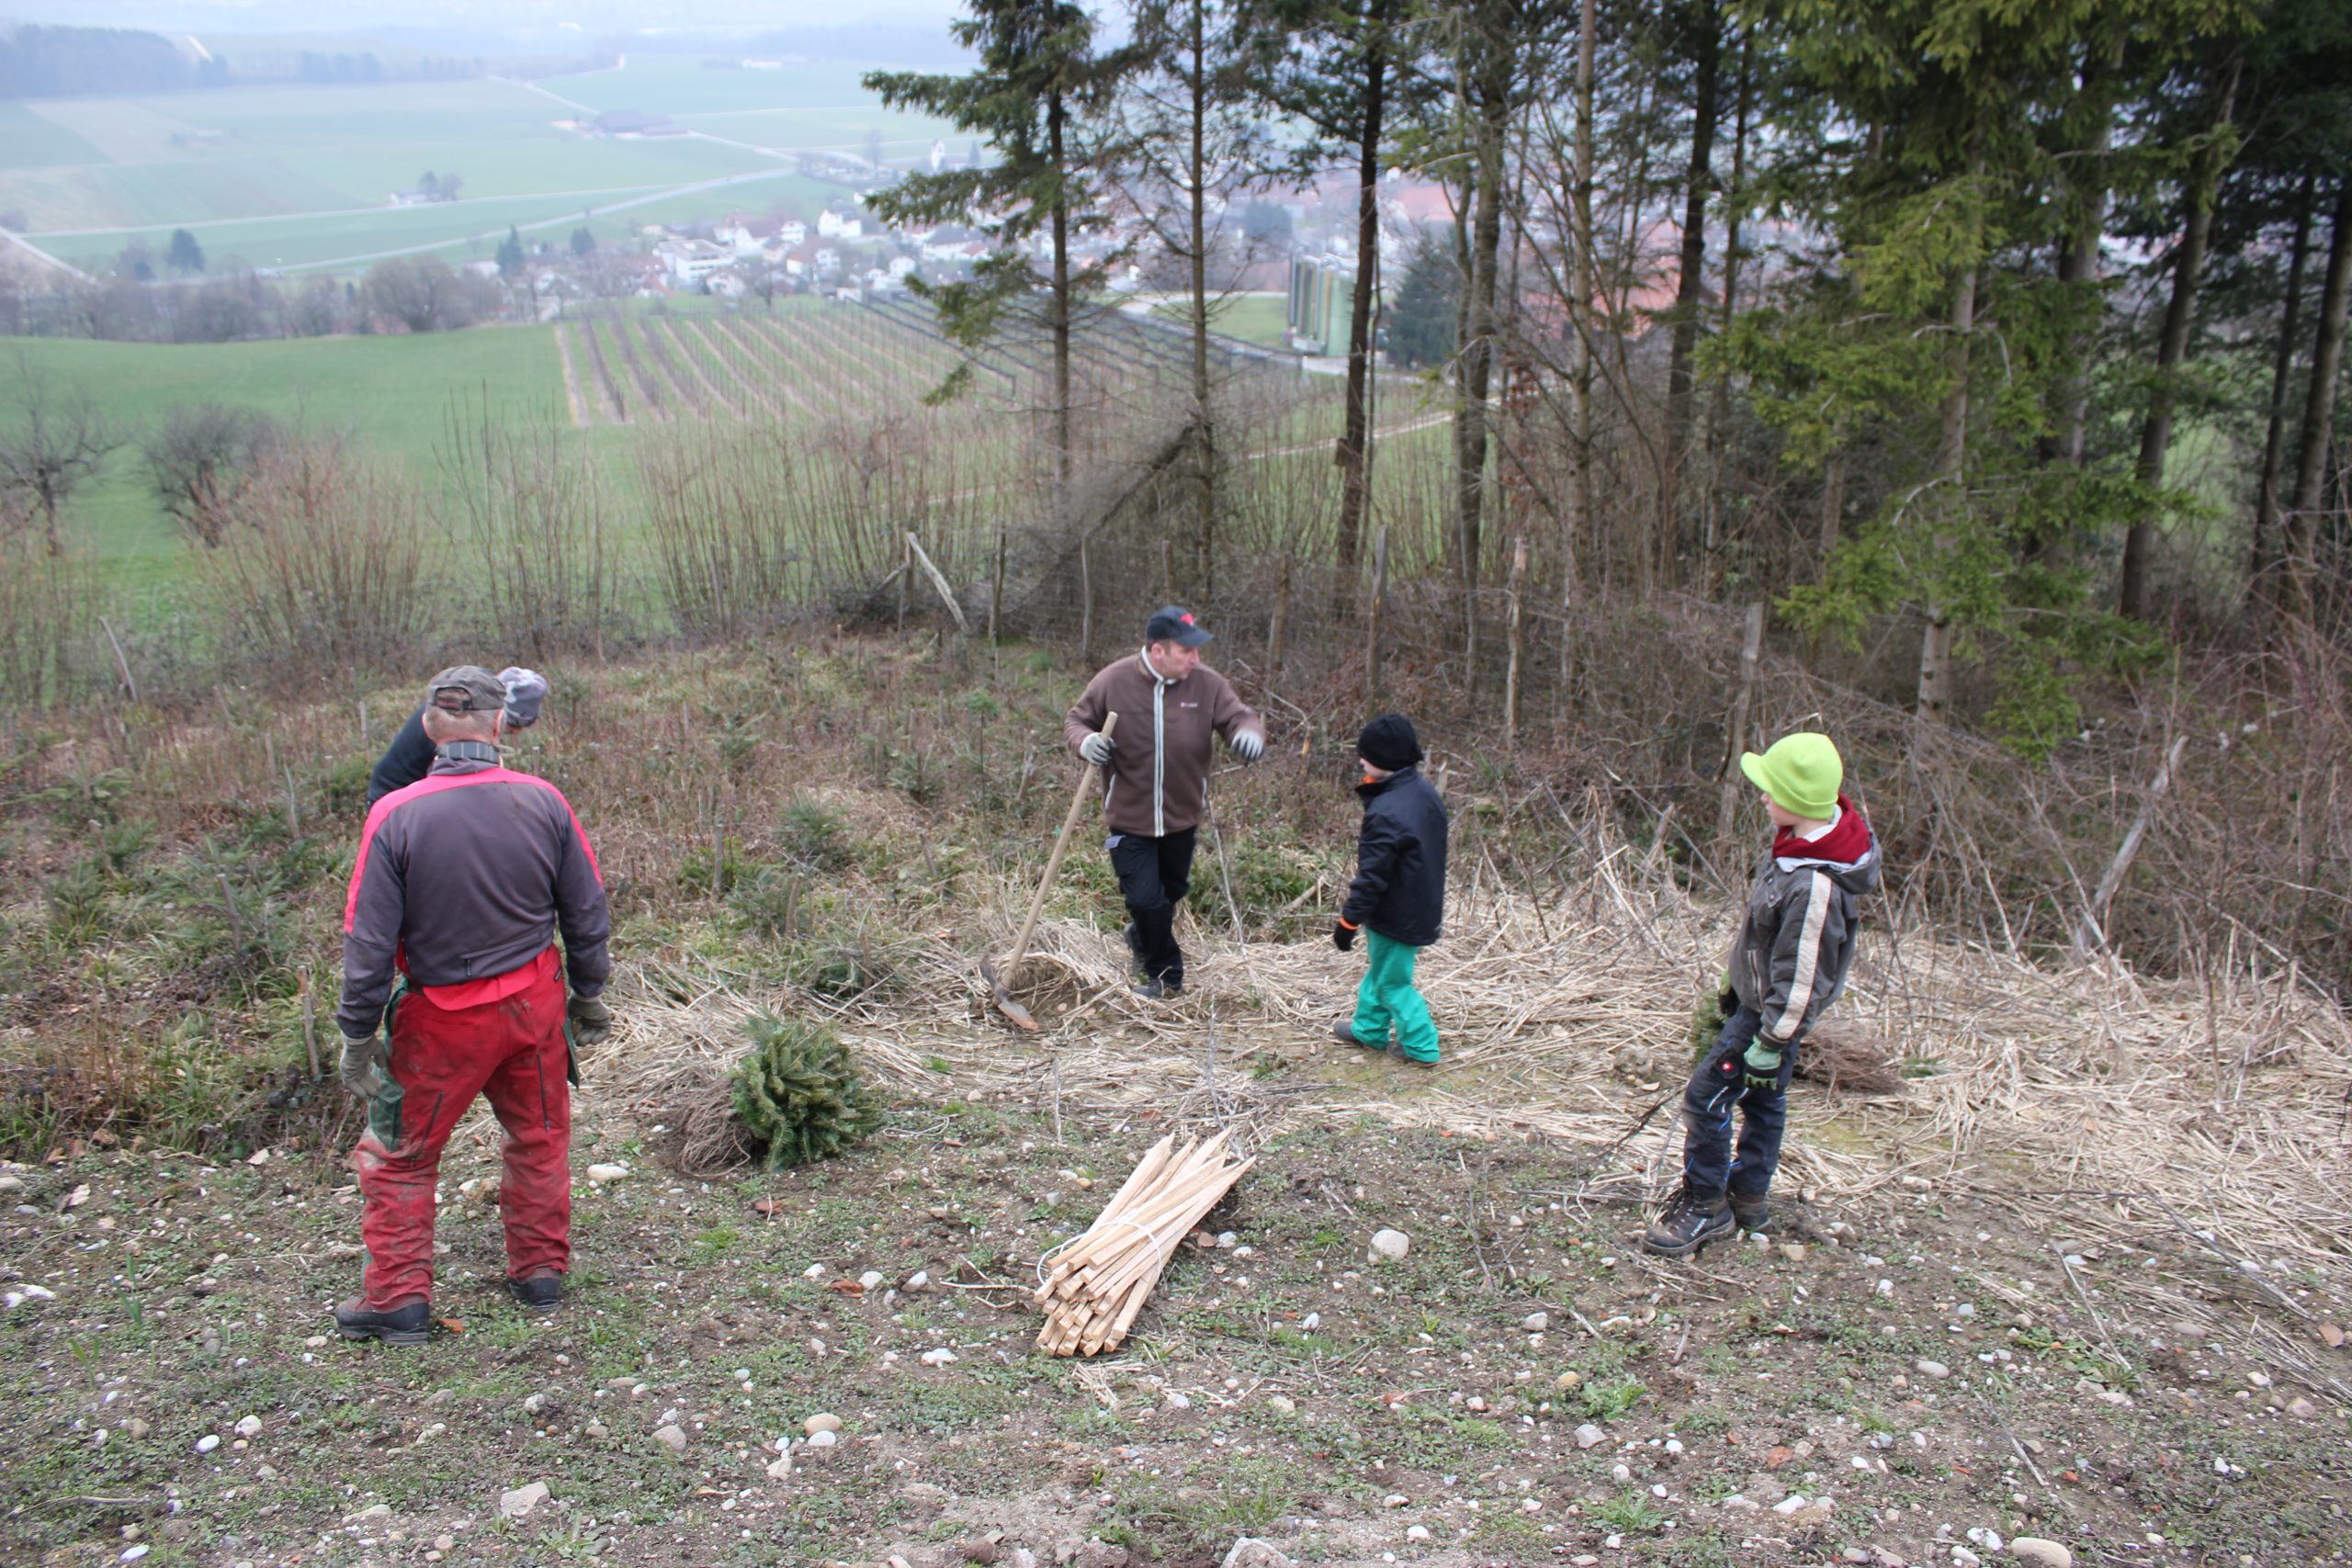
(1763, 1064)
(1343, 935)
(367, 1065)
(1097, 749)
(1248, 745)
(592, 1021)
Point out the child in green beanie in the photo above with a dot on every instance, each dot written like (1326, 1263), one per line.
(1789, 963)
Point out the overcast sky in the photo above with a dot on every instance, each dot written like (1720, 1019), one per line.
(472, 18)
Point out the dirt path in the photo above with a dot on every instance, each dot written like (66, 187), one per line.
(570, 378)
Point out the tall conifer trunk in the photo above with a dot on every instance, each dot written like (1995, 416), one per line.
(2155, 431)
(2319, 407)
(1680, 374)
(2263, 562)
(1353, 454)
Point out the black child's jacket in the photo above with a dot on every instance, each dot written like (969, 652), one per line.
(1400, 890)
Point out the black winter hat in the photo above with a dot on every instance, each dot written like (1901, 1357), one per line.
(1388, 742)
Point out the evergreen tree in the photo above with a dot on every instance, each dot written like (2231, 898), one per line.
(1040, 78)
(1422, 321)
(510, 253)
(184, 254)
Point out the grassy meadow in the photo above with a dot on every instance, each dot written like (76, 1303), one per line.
(301, 177)
(391, 395)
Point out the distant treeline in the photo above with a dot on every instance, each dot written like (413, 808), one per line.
(49, 62)
(56, 62)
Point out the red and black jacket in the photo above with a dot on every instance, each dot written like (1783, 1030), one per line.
(464, 880)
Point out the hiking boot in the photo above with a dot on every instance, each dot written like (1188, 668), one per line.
(405, 1325)
(540, 1293)
(1752, 1215)
(1687, 1224)
(1344, 1031)
(1160, 989)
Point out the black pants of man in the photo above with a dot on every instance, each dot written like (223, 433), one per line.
(1154, 875)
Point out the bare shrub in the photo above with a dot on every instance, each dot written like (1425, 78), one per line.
(202, 459)
(321, 563)
(48, 614)
(750, 520)
(531, 511)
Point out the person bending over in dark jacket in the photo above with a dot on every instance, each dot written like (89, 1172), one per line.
(1398, 899)
(409, 756)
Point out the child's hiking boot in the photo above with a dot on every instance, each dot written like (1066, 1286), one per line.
(1343, 1030)
(1753, 1215)
(407, 1324)
(1160, 989)
(1688, 1224)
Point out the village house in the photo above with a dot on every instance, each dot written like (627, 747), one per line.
(688, 261)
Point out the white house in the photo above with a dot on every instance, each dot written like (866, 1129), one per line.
(900, 267)
(794, 232)
(691, 261)
(726, 284)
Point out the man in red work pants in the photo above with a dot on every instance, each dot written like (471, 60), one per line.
(464, 880)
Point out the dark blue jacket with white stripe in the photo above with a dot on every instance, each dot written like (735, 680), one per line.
(1796, 939)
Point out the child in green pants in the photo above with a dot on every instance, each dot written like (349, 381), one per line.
(1398, 899)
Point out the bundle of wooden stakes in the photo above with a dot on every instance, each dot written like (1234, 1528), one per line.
(1097, 1282)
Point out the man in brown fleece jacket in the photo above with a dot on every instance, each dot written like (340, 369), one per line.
(1170, 706)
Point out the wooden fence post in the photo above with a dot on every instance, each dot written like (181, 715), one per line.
(906, 571)
(1751, 653)
(996, 591)
(1518, 641)
(1085, 606)
(1281, 617)
(1379, 608)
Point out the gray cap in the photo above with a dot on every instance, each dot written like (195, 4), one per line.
(466, 688)
(525, 690)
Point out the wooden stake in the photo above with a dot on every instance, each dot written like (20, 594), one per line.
(1518, 640)
(939, 580)
(1085, 607)
(1751, 653)
(995, 589)
(1281, 617)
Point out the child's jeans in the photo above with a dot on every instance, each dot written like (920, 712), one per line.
(1709, 1166)
(1387, 997)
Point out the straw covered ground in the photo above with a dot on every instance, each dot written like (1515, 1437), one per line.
(2205, 1125)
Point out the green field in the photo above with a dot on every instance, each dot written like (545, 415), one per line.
(299, 177)
(393, 396)
(1261, 319)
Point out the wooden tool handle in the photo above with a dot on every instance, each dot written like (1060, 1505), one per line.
(1053, 864)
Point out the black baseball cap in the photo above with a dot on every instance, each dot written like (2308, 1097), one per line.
(1173, 623)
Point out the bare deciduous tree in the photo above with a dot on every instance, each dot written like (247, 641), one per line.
(203, 459)
(53, 442)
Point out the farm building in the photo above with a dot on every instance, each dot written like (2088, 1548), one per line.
(1322, 291)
